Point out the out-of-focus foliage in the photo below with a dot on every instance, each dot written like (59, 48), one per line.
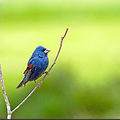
(85, 82)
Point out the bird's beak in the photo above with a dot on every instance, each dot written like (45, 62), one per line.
(46, 51)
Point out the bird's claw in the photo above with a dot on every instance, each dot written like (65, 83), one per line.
(37, 85)
(47, 73)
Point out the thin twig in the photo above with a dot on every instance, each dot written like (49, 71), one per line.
(5, 96)
(38, 85)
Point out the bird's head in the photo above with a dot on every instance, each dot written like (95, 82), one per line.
(42, 49)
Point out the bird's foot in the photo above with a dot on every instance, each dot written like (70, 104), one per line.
(37, 85)
(47, 73)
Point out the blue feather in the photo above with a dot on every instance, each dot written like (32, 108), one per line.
(37, 64)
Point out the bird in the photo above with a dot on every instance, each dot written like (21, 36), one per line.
(36, 65)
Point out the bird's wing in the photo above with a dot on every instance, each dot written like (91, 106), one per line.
(32, 60)
(29, 68)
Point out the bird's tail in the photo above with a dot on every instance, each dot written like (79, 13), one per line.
(25, 79)
(21, 83)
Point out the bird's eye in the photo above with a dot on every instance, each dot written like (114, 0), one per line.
(43, 50)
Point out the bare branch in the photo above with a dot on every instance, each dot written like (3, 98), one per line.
(58, 49)
(5, 96)
(38, 85)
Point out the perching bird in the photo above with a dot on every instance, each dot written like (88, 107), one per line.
(37, 65)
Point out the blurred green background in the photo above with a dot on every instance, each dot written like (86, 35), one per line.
(85, 82)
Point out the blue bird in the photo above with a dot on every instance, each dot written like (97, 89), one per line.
(37, 65)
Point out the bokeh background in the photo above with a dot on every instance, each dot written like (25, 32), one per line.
(85, 82)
